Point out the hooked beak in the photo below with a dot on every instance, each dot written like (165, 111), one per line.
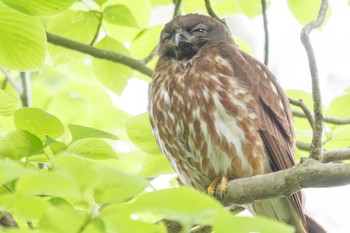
(181, 37)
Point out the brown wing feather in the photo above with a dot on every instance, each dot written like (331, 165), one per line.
(276, 122)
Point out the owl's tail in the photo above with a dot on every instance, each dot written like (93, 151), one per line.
(313, 226)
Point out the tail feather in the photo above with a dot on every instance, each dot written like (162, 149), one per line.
(313, 226)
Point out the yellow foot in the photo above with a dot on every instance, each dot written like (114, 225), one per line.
(211, 188)
(223, 185)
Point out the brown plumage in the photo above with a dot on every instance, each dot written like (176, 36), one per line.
(217, 112)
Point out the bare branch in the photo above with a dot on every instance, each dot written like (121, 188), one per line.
(336, 155)
(10, 79)
(177, 7)
(308, 174)
(150, 56)
(330, 120)
(212, 13)
(316, 145)
(7, 221)
(266, 31)
(99, 53)
(26, 95)
(307, 112)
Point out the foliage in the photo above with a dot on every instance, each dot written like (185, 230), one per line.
(73, 162)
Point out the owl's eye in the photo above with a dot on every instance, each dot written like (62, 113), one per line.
(166, 36)
(200, 30)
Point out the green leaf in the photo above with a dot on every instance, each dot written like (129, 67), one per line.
(125, 224)
(117, 186)
(339, 107)
(38, 122)
(62, 220)
(225, 224)
(8, 103)
(23, 40)
(92, 148)
(250, 8)
(80, 132)
(40, 7)
(47, 183)
(139, 132)
(145, 42)
(112, 75)
(10, 170)
(306, 11)
(100, 2)
(23, 206)
(54, 145)
(182, 204)
(20, 143)
(120, 15)
(340, 138)
(303, 95)
(163, 2)
(155, 165)
(79, 26)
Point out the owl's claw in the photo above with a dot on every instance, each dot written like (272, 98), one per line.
(212, 187)
(223, 186)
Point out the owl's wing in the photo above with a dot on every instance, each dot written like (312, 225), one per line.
(276, 122)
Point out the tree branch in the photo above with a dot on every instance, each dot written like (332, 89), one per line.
(10, 79)
(7, 221)
(308, 174)
(99, 53)
(307, 112)
(26, 94)
(266, 31)
(336, 155)
(330, 120)
(316, 145)
(177, 7)
(212, 13)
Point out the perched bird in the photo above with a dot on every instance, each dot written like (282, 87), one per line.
(218, 114)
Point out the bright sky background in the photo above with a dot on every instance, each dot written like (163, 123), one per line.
(289, 63)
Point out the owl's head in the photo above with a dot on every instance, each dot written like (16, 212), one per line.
(184, 36)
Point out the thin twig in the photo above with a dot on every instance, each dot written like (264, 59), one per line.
(212, 13)
(330, 120)
(150, 56)
(177, 11)
(316, 145)
(99, 53)
(177, 7)
(26, 95)
(266, 32)
(97, 33)
(10, 79)
(300, 103)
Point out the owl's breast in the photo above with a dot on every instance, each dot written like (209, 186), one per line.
(204, 122)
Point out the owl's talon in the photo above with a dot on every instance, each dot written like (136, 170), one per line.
(212, 187)
(223, 187)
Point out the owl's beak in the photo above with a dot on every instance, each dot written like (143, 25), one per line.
(181, 37)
